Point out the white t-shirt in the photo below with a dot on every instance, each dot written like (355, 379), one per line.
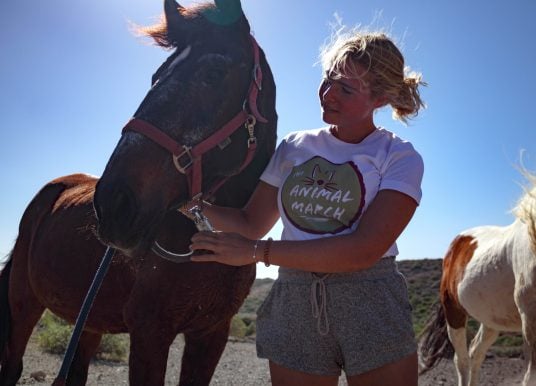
(326, 184)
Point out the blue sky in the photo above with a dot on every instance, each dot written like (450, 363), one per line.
(72, 74)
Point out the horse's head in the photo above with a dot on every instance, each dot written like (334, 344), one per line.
(190, 131)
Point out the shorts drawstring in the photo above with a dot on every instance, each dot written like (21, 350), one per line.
(320, 310)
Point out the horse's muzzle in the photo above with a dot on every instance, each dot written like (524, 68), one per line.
(120, 223)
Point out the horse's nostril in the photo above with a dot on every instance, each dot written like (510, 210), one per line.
(116, 210)
(125, 206)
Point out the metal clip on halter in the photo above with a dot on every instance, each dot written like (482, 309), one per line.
(200, 220)
(250, 126)
(201, 223)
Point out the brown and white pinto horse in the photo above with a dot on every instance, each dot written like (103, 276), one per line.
(489, 274)
(215, 95)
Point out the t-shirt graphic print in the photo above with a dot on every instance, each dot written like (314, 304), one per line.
(321, 197)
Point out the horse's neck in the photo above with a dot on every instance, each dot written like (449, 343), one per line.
(525, 236)
(515, 243)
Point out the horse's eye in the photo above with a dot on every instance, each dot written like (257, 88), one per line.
(213, 69)
(213, 76)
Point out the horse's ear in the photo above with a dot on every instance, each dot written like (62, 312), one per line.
(230, 6)
(174, 18)
(226, 12)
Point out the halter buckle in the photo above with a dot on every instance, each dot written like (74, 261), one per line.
(179, 158)
(250, 126)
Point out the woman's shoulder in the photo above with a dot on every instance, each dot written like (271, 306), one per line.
(393, 140)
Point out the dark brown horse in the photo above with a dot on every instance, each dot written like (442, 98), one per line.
(209, 80)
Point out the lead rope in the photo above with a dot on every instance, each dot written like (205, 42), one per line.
(318, 292)
(61, 379)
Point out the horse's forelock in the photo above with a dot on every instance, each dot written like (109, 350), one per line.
(159, 32)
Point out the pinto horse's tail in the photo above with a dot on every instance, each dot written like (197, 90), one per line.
(5, 313)
(434, 343)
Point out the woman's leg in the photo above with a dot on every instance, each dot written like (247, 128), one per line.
(282, 376)
(401, 373)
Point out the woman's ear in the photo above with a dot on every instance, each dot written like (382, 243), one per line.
(380, 102)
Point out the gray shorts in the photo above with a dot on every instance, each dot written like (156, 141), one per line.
(322, 324)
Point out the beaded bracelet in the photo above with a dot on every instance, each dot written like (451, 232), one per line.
(266, 253)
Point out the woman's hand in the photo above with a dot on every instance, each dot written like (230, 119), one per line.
(227, 248)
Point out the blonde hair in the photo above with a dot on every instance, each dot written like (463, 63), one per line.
(348, 53)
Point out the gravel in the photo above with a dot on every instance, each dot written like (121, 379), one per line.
(240, 366)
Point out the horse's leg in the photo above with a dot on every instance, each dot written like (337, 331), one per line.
(525, 298)
(25, 312)
(87, 346)
(458, 338)
(24, 316)
(201, 355)
(528, 318)
(148, 355)
(479, 346)
(530, 358)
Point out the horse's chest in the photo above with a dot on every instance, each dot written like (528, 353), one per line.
(486, 292)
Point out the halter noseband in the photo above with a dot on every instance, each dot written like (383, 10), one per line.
(188, 160)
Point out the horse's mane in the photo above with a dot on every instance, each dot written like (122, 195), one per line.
(525, 210)
(77, 189)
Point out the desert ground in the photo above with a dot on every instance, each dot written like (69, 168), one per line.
(240, 366)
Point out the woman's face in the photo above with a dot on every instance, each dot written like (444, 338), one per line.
(346, 102)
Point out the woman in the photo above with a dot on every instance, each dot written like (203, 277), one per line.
(344, 193)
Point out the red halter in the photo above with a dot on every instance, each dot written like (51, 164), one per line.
(188, 159)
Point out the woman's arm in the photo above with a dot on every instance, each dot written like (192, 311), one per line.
(254, 220)
(381, 224)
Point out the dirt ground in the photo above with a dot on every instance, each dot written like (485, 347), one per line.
(240, 366)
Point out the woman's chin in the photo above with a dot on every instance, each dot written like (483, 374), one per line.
(329, 117)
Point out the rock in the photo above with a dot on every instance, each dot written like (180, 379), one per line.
(39, 376)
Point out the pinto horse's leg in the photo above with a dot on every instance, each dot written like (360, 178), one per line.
(528, 320)
(202, 353)
(479, 346)
(87, 346)
(458, 338)
(525, 298)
